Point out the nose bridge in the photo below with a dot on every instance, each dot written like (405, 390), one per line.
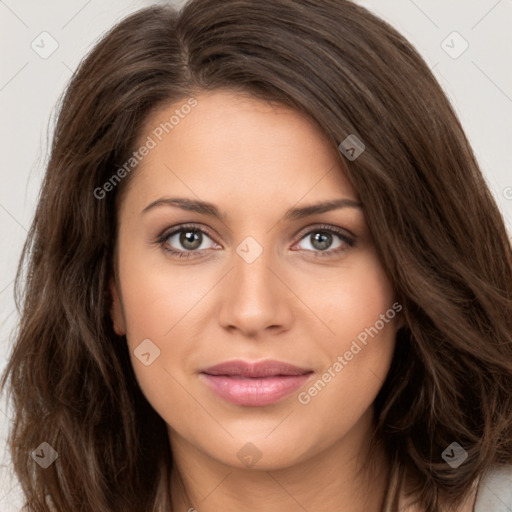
(254, 299)
(251, 267)
(252, 275)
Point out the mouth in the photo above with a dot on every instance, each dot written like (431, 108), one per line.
(254, 384)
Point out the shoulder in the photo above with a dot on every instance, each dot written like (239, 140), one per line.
(492, 494)
(495, 490)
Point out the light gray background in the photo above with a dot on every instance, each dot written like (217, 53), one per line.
(478, 82)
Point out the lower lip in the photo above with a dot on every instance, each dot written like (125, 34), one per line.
(254, 391)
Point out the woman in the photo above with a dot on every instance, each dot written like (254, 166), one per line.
(265, 273)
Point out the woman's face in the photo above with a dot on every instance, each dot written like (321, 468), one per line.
(256, 275)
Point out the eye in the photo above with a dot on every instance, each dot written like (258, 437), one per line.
(190, 240)
(186, 241)
(326, 240)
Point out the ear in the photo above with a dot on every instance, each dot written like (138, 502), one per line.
(116, 309)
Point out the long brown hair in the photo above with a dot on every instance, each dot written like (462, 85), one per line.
(436, 227)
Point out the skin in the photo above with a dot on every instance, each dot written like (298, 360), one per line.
(294, 303)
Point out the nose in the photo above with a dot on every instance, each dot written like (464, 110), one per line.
(255, 298)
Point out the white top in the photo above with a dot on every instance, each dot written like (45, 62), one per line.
(495, 491)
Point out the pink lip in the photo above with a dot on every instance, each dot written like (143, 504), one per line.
(254, 384)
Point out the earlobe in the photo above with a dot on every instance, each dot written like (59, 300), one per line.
(116, 310)
(400, 318)
(400, 322)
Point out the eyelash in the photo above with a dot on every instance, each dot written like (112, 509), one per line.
(162, 240)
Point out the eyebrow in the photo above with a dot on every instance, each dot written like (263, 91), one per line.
(211, 210)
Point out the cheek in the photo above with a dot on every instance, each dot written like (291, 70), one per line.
(343, 394)
(162, 306)
(158, 306)
(156, 296)
(354, 301)
(362, 315)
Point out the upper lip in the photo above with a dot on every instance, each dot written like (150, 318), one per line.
(268, 368)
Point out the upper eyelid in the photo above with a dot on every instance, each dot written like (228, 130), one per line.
(176, 229)
(325, 227)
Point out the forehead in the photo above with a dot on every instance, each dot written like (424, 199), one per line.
(233, 148)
